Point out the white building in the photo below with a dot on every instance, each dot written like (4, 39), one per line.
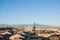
(28, 28)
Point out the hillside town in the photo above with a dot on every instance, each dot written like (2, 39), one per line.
(30, 33)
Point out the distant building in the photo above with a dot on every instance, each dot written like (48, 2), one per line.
(28, 28)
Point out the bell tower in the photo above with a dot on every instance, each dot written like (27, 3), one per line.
(34, 27)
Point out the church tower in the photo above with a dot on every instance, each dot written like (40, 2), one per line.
(34, 27)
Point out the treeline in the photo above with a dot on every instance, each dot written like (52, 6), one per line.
(6, 28)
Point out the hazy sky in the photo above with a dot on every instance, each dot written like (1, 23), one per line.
(28, 11)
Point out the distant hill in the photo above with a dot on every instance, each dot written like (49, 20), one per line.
(23, 25)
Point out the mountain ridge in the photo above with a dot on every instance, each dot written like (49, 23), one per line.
(23, 25)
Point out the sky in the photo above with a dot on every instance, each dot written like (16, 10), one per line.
(30, 11)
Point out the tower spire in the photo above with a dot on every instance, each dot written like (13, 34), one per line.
(34, 27)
